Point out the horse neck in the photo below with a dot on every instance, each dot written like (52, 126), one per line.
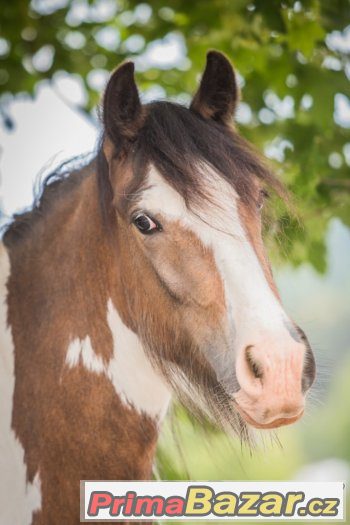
(75, 350)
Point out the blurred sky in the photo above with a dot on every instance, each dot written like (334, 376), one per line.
(47, 131)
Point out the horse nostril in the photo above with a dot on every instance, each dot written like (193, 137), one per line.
(253, 366)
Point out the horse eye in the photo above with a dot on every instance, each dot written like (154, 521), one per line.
(145, 224)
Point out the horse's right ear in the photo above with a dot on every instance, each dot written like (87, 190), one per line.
(122, 110)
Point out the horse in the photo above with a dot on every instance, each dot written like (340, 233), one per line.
(135, 277)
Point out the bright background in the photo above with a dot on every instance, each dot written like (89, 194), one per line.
(303, 130)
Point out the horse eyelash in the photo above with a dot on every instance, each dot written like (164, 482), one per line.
(265, 194)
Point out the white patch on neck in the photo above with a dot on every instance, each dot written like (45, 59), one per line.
(18, 499)
(130, 371)
(82, 349)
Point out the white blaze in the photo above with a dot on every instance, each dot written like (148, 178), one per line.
(250, 301)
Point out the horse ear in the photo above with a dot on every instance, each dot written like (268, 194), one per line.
(218, 92)
(122, 110)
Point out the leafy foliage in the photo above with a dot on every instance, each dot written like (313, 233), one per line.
(292, 64)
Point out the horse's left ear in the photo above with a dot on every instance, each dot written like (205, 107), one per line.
(218, 92)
